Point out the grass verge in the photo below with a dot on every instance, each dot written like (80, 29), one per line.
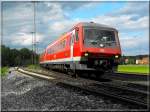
(33, 66)
(134, 68)
(4, 71)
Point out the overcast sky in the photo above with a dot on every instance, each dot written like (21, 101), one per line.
(55, 18)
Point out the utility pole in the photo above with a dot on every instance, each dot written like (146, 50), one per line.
(2, 23)
(37, 47)
(37, 50)
(34, 31)
(32, 55)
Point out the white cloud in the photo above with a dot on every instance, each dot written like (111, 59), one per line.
(21, 11)
(53, 17)
(136, 7)
(24, 39)
(138, 44)
(89, 4)
(133, 42)
(124, 22)
(60, 26)
(54, 12)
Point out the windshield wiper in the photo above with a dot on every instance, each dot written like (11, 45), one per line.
(110, 42)
(93, 42)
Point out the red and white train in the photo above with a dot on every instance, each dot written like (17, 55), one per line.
(87, 46)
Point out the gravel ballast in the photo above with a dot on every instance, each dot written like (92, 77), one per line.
(21, 92)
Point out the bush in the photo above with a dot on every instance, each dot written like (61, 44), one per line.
(4, 71)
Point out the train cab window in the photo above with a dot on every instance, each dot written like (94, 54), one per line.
(95, 37)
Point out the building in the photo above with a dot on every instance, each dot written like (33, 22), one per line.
(139, 59)
(142, 59)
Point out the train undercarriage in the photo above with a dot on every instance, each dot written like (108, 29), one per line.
(98, 66)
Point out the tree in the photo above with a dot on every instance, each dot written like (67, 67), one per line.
(14, 57)
(5, 53)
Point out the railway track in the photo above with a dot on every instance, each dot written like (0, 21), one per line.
(133, 97)
(112, 94)
(129, 76)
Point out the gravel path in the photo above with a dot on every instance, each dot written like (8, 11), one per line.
(21, 92)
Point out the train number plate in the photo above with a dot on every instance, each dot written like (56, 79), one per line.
(101, 50)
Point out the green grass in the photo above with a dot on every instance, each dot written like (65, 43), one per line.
(4, 71)
(134, 68)
(33, 66)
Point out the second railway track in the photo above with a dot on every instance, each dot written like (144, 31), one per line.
(133, 97)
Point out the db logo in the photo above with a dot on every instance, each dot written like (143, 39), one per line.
(101, 50)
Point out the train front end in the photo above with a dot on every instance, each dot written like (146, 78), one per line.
(101, 47)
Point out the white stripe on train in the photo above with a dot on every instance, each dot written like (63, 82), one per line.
(63, 60)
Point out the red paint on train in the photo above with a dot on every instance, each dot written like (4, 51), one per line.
(75, 44)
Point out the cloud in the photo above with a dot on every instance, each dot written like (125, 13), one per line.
(53, 11)
(138, 8)
(124, 22)
(17, 17)
(52, 19)
(17, 11)
(73, 5)
(136, 44)
(61, 26)
(25, 39)
(133, 42)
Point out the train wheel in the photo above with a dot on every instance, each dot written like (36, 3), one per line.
(73, 73)
(99, 74)
(76, 74)
(69, 72)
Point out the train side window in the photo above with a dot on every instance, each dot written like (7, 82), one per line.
(49, 51)
(64, 43)
(60, 45)
(77, 35)
(72, 38)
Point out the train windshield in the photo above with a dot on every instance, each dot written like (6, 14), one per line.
(99, 38)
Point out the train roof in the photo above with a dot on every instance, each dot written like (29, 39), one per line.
(92, 24)
(84, 24)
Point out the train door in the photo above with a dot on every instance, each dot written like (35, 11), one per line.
(72, 44)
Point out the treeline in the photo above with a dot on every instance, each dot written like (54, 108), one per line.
(15, 57)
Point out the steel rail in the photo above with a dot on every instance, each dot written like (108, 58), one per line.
(122, 87)
(111, 95)
(116, 86)
(102, 92)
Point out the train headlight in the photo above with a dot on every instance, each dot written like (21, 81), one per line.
(101, 45)
(86, 54)
(116, 56)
